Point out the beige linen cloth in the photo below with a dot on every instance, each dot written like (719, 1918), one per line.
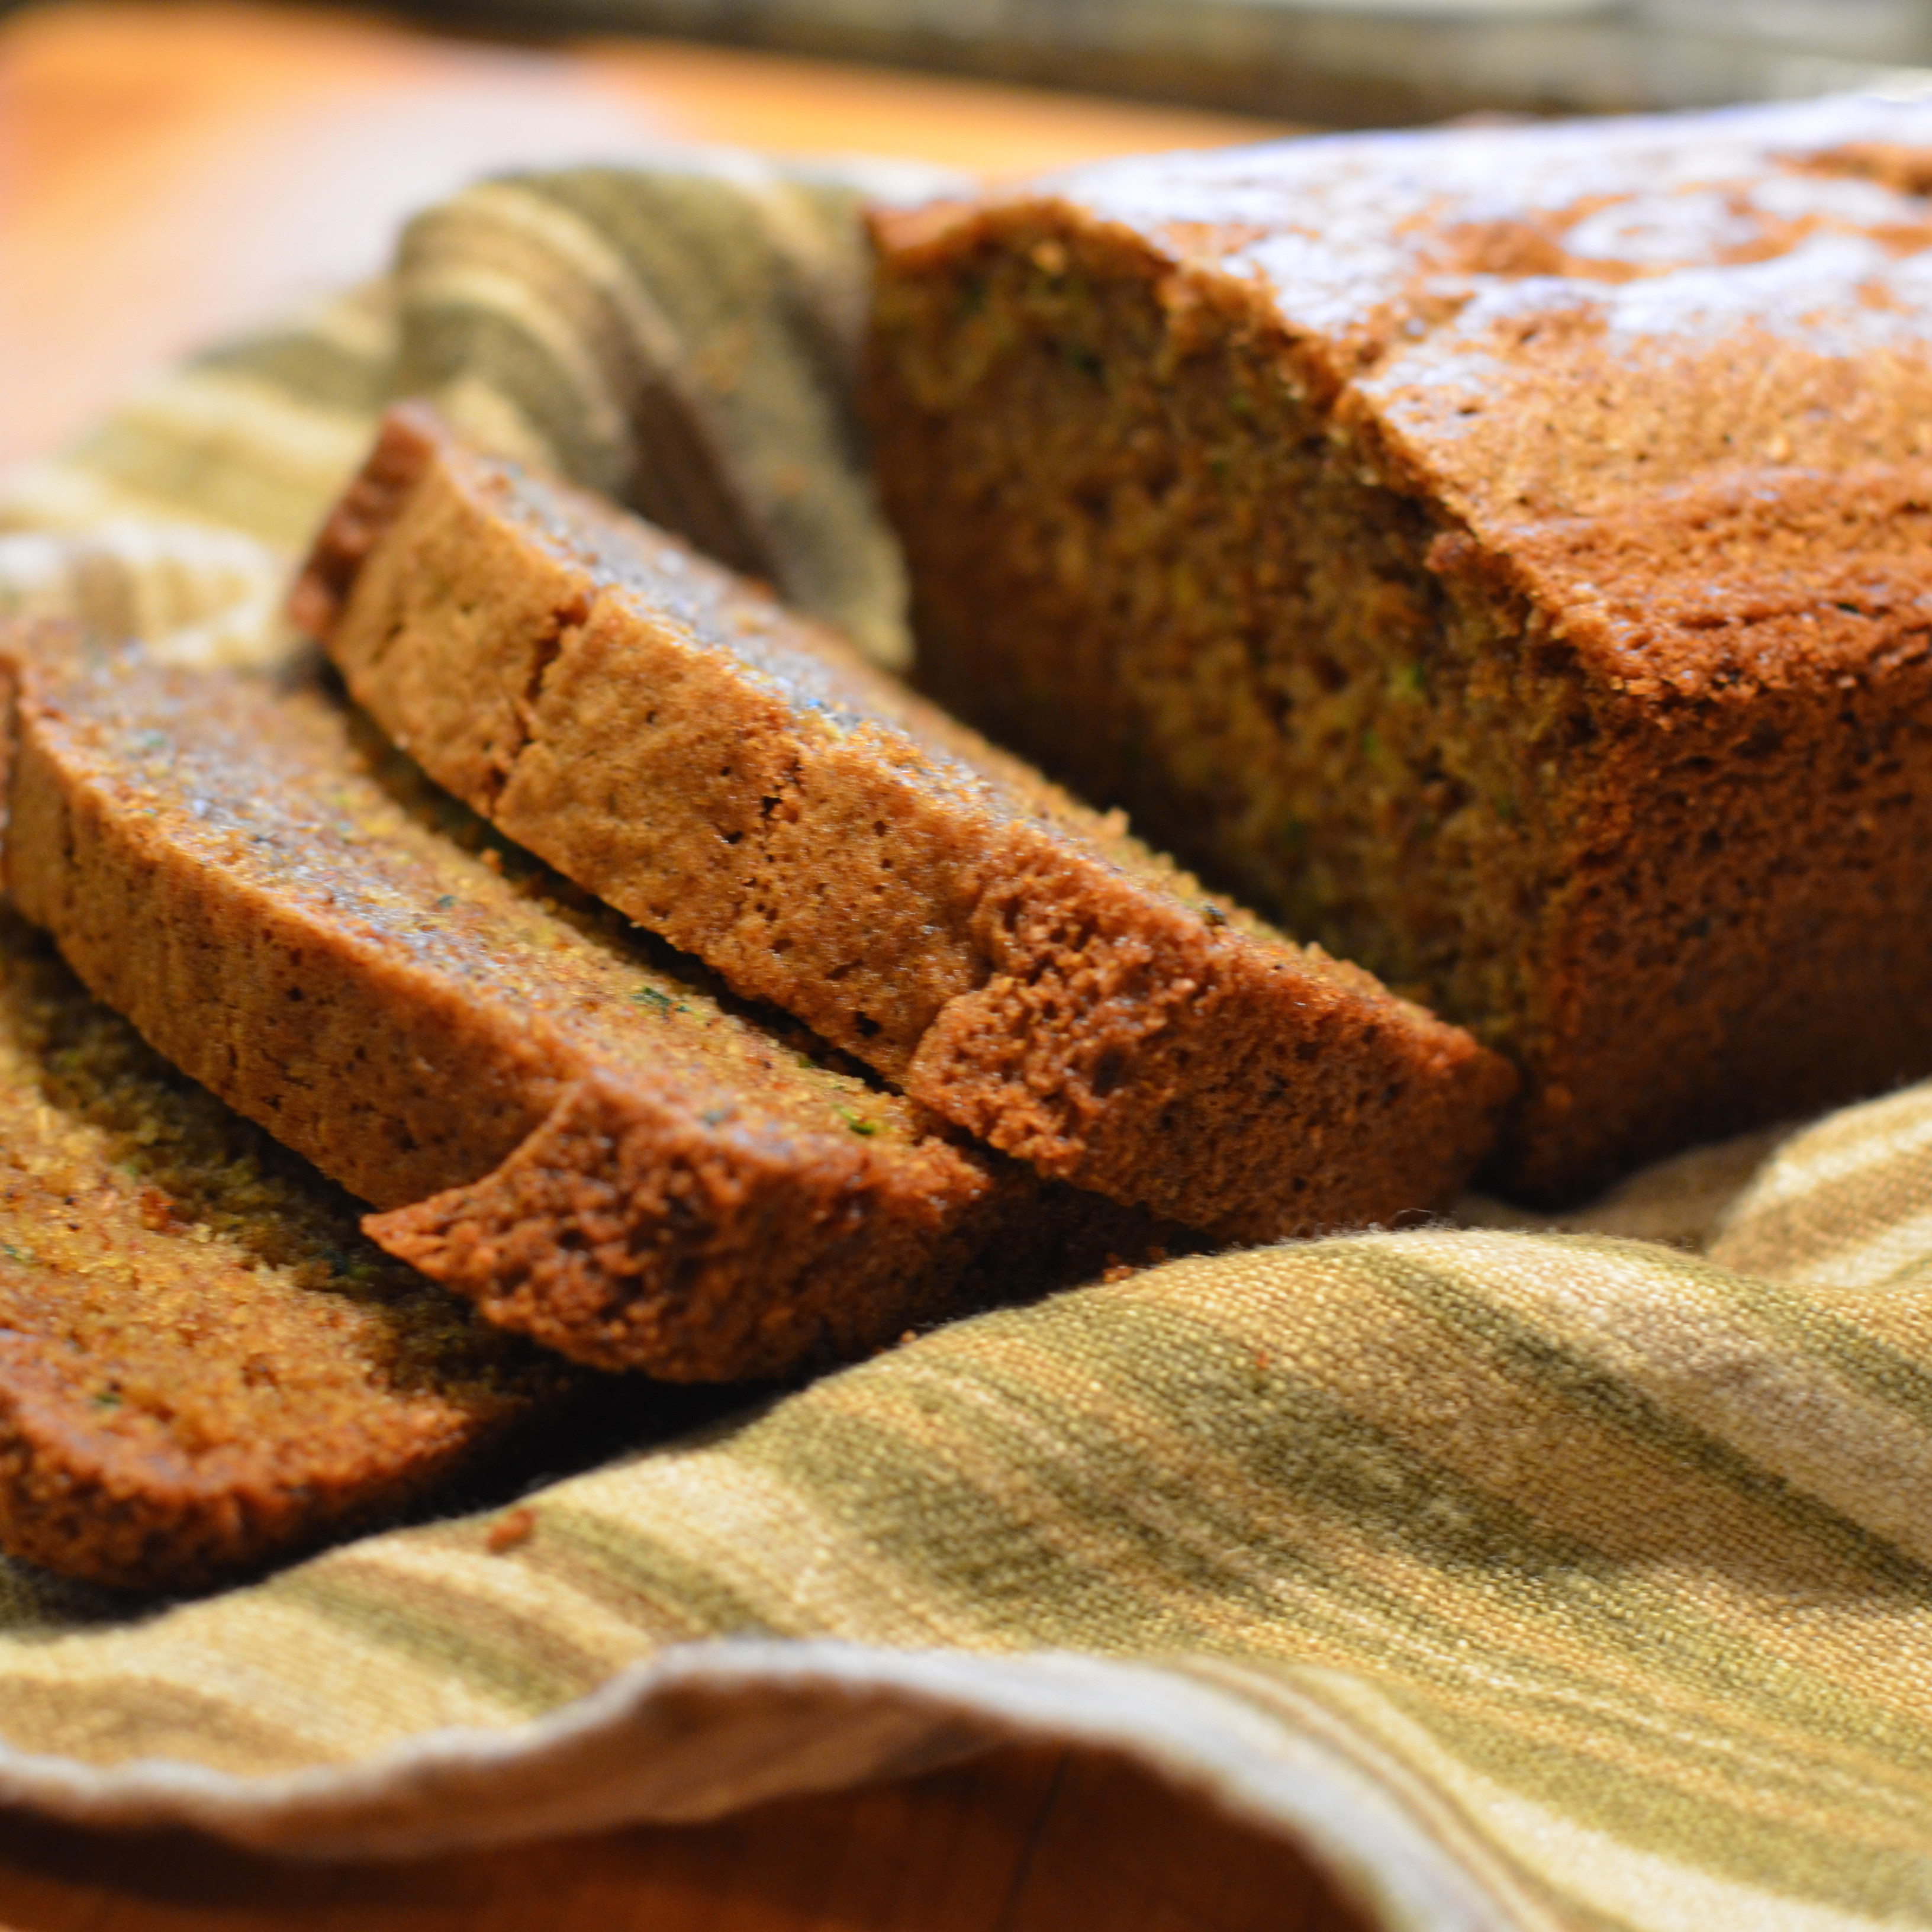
(1529, 1579)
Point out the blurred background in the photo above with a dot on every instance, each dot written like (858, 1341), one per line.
(1336, 62)
(171, 170)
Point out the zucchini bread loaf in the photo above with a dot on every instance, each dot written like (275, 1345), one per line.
(738, 780)
(203, 1365)
(1505, 554)
(563, 1121)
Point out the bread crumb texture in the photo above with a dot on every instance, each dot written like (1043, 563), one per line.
(740, 780)
(560, 1118)
(1504, 554)
(203, 1364)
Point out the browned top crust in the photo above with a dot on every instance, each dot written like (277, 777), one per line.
(617, 1162)
(1679, 327)
(203, 1365)
(740, 780)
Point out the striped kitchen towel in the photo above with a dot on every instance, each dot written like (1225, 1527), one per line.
(1527, 1577)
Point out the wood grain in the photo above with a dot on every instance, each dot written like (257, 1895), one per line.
(172, 172)
(1023, 1841)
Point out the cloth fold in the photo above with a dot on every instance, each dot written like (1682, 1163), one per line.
(1527, 1575)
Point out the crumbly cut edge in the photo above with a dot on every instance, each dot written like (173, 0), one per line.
(1106, 1030)
(104, 1514)
(585, 1239)
(762, 1266)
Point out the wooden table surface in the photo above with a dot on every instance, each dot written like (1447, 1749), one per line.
(169, 172)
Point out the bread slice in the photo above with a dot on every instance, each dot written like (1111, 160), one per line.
(738, 780)
(203, 1364)
(562, 1121)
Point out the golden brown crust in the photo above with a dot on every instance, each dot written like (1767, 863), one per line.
(1549, 319)
(1505, 553)
(221, 862)
(204, 1366)
(741, 782)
